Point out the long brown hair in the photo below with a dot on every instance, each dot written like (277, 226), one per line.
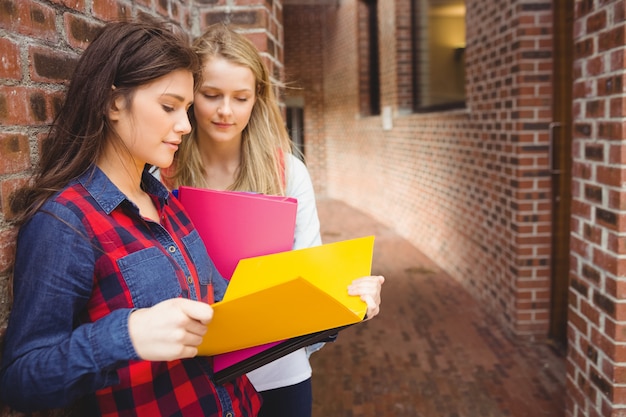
(124, 56)
(265, 141)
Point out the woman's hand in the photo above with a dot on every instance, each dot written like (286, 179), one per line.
(169, 330)
(368, 288)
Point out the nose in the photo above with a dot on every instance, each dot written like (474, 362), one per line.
(183, 125)
(224, 108)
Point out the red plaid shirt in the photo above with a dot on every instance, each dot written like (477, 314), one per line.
(118, 262)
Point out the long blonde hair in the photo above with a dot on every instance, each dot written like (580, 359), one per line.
(264, 142)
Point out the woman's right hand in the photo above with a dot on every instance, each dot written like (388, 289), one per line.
(169, 330)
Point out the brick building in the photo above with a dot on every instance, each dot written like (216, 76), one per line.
(490, 134)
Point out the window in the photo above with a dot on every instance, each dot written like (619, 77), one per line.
(295, 127)
(369, 72)
(294, 116)
(438, 54)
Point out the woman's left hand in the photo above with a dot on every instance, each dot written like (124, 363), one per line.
(368, 288)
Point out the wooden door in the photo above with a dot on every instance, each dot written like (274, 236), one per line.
(561, 168)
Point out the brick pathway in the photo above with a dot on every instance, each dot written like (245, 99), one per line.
(431, 352)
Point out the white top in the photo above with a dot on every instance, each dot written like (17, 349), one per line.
(295, 367)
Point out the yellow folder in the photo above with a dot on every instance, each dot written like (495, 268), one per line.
(289, 294)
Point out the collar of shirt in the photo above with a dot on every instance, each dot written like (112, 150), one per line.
(108, 196)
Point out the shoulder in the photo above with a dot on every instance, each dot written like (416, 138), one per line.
(299, 184)
(296, 169)
(59, 220)
(72, 202)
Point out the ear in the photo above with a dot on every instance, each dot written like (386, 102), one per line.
(118, 105)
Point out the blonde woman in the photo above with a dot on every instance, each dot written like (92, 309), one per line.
(239, 142)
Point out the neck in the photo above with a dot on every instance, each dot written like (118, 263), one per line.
(125, 172)
(122, 170)
(221, 162)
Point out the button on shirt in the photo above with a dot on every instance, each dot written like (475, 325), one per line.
(84, 261)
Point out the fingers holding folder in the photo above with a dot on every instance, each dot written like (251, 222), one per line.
(368, 289)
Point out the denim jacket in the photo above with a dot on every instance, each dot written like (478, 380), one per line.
(84, 261)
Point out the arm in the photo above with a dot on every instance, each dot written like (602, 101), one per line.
(307, 233)
(49, 358)
(299, 186)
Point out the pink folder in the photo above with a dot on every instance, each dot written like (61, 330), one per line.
(236, 225)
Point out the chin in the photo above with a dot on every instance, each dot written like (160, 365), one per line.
(163, 164)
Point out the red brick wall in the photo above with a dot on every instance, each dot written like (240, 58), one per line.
(39, 44)
(304, 77)
(509, 70)
(597, 329)
(260, 20)
(470, 188)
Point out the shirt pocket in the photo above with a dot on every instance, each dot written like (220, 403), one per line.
(150, 277)
(207, 273)
(199, 257)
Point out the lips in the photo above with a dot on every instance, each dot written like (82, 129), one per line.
(173, 145)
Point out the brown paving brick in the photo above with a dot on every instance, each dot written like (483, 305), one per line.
(432, 351)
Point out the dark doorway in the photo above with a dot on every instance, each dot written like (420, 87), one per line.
(561, 168)
(295, 127)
